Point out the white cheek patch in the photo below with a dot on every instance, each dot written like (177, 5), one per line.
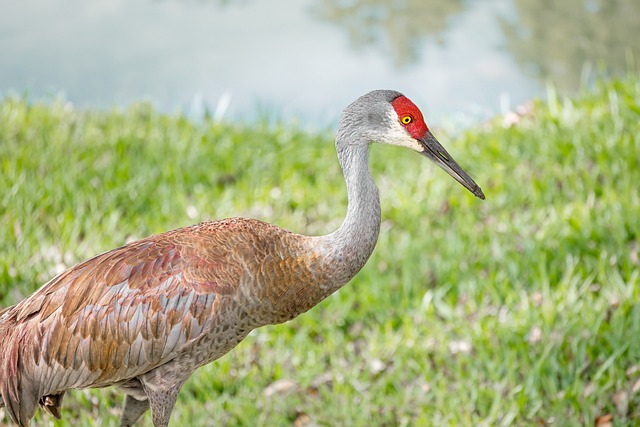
(398, 135)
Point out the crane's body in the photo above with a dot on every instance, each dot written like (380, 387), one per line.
(145, 316)
(156, 308)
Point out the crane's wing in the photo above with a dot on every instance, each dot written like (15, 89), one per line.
(120, 313)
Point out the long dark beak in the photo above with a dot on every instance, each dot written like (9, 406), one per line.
(436, 152)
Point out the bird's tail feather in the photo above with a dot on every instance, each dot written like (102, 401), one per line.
(18, 402)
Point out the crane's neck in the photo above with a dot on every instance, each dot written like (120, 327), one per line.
(351, 245)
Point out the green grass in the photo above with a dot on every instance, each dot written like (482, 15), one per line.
(519, 310)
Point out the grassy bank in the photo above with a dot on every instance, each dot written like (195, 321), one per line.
(520, 310)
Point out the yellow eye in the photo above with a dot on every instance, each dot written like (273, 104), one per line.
(406, 119)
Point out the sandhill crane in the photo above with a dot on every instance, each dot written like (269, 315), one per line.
(145, 316)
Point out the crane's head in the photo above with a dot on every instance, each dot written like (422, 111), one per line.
(389, 117)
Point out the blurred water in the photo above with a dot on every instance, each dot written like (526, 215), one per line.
(306, 59)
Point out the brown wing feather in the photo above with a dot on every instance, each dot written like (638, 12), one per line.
(120, 313)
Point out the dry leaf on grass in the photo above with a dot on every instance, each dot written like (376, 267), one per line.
(535, 335)
(460, 346)
(303, 420)
(621, 400)
(604, 420)
(280, 388)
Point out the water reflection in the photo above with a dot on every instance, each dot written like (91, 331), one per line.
(398, 28)
(308, 58)
(554, 40)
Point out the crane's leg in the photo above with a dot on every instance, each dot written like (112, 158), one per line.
(161, 386)
(133, 410)
(161, 401)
